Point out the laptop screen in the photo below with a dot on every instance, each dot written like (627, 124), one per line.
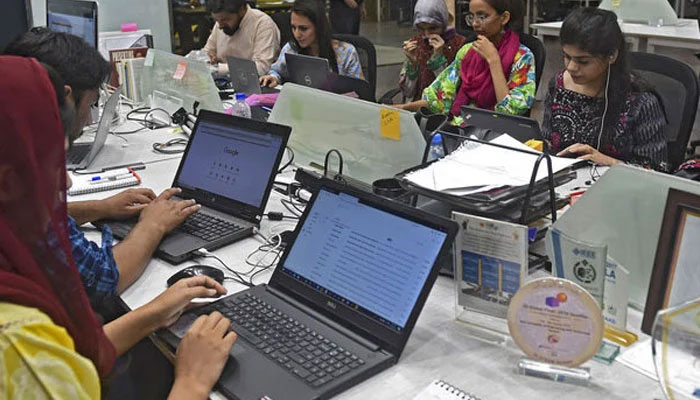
(230, 161)
(368, 259)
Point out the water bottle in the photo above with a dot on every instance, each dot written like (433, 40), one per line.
(436, 149)
(240, 108)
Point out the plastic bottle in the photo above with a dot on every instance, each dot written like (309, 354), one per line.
(436, 149)
(240, 108)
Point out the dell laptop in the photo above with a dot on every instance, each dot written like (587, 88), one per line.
(244, 77)
(308, 71)
(341, 303)
(228, 167)
(81, 155)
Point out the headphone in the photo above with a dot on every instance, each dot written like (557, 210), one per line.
(605, 110)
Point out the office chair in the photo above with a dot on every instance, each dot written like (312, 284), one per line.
(283, 21)
(368, 58)
(677, 86)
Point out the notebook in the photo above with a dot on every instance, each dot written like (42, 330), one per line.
(83, 184)
(441, 390)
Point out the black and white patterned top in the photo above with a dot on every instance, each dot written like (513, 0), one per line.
(638, 137)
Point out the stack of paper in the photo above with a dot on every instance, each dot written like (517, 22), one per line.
(476, 167)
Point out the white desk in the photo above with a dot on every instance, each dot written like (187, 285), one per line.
(642, 37)
(438, 347)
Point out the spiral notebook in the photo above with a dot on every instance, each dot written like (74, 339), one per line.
(441, 390)
(84, 184)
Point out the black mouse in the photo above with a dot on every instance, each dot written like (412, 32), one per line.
(195, 270)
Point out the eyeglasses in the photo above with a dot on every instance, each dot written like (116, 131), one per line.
(480, 18)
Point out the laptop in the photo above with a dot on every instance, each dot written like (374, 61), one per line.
(81, 155)
(520, 128)
(244, 76)
(342, 84)
(341, 303)
(228, 167)
(307, 70)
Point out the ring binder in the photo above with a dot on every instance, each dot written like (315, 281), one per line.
(442, 390)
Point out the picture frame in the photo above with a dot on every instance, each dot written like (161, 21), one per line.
(675, 277)
(491, 264)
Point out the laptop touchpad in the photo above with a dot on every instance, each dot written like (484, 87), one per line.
(180, 327)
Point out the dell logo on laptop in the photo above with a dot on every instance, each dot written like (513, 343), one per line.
(331, 304)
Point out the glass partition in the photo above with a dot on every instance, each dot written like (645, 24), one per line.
(376, 141)
(652, 12)
(177, 76)
(624, 209)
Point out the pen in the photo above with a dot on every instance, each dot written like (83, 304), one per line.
(268, 109)
(113, 178)
(112, 173)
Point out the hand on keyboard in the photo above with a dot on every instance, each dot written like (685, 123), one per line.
(126, 204)
(201, 356)
(166, 214)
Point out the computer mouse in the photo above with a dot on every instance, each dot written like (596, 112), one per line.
(195, 270)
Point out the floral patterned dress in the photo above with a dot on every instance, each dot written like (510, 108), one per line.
(521, 84)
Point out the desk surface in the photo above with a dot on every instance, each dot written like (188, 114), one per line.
(439, 346)
(686, 30)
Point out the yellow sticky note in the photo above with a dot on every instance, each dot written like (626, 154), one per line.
(390, 124)
(616, 3)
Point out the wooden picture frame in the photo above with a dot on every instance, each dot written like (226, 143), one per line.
(680, 227)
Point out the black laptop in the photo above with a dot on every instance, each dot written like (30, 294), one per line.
(244, 77)
(341, 303)
(520, 128)
(81, 155)
(228, 167)
(307, 70)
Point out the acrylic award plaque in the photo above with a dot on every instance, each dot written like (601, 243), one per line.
(558, 325)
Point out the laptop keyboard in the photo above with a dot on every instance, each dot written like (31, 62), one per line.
(77, 154)
(305, 353)
(208, 227)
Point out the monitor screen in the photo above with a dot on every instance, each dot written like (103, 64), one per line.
(76, 17)
(230, 161)
(15, 19)
(369, 259)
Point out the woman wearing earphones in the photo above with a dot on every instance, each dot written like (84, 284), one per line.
(494, 72)
(597, 109)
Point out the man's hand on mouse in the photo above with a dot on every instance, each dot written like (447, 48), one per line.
(169, 305)
(165, 214)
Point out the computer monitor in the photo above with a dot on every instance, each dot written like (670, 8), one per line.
(77, 17)
(15, 19)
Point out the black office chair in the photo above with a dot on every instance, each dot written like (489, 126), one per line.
(283, 21)
(368, 58)
(677, 85)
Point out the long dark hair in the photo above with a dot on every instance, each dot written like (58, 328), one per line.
(315, 11)
(597, 32)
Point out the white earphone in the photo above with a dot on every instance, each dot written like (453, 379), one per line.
(605, 109)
